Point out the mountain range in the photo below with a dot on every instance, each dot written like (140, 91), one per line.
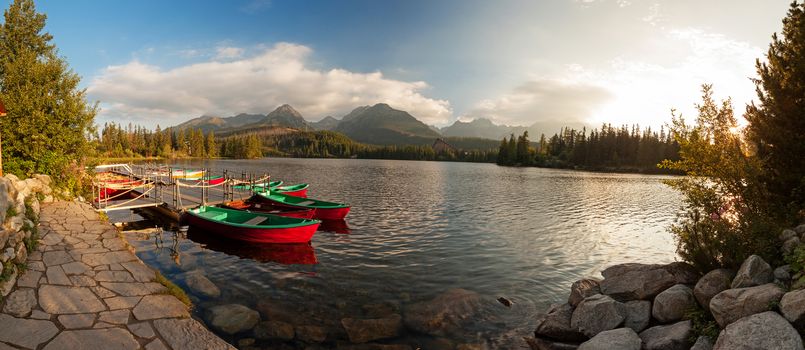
(379, 125)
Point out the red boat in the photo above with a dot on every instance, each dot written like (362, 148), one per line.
(268, 208)
(298, 190)
(324, 210)
(111, 185)
(251, 226)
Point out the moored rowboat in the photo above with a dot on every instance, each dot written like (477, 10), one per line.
(259, 185)
(251, 226)
(298, 190)
(268, 208)
(324, 210)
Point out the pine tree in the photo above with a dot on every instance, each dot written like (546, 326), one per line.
(777, 124)
(209, 143)
(503, 152)
(48, 118)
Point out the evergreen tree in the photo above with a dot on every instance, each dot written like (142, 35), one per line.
(209, 143)
(503, 152)
(48, 119)
(777, 124)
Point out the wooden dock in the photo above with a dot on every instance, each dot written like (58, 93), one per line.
(169, 191)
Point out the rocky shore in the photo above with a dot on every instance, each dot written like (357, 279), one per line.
(664, 307)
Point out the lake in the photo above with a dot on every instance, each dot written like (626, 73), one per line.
(418, 229)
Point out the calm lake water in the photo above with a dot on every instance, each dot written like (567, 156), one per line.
(417, 229)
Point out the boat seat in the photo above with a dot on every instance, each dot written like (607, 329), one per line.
(305, 203)
(257, 220)
(212, 215)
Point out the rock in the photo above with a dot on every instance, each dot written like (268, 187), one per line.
(21, 254)
(792, 306)
(800, 229)
(77, 321)
(732, 304)
(783, 273)
(791, 244)
(670, 337)
(671, 305)
(95, 259)
(232, 318)
(767, 330)
(140, 272)
(8, 254)
(116, 303)
(188, 333)
(366, 330)
(56, 257)
(616, 339)
(114, 317)
(583, 288)
(142, 330)
(596, 314)
(7, 285)
(133, 289)
(753, 272)
(25, 333)
(274, 330)
(200, 284)
(703, 342)
(556, 324)
(94, 339)
(544, 344)
(20, 302)
(786, 235)
(640, 281)
(445, 314)
(113, 276)
(638, 314)
(712, 283)
(68, 300)
(56, 275)
(311, 334)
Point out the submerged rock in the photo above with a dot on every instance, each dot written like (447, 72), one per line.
(444, 314)
(767, 330)
(200, 284)
(274, 330)
(366, 330)
(232, 318)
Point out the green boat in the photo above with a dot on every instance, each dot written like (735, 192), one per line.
(251, 226)
(298, 190)
(259, 185)
(324, 210)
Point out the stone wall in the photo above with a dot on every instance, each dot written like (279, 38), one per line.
(19, 215)
(641, 306)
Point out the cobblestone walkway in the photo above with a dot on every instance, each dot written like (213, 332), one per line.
(85, 289)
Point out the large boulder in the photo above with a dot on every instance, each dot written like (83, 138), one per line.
(638, 314)
(445, 314)
(556, 324)
(232, 318)
(712, 283)
(732, 304)
(782, 273)
(792, 305)
(583, 288)
(703, 342)
(366, 330)
(753, 272)
(767, 330)
(787, 234)
(672, 303)
(616, 339)
(670, 337)
(596, 314)
(641, 281)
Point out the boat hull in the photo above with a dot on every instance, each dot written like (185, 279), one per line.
(293, 190)
(301, 234)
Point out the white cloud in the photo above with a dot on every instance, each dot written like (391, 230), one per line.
(148, 94)
(543, 100)
(226, 53)
(654, 15)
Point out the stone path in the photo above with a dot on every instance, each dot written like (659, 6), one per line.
(85, 289)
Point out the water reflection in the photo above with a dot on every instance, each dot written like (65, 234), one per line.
(288, 254)
(334, 226)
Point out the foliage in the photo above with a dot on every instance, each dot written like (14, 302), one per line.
(11, 211)
(777, 125)
(246, 147)
(796, 259)
(727, 217)
(610, 148)
(48, 116)
(136, 141)
(703, 323)
(172, 289)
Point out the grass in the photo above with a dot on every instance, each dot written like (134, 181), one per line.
(703, 323)
(11, 211)
(173, 289)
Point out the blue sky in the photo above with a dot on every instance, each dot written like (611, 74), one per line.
(515, 62)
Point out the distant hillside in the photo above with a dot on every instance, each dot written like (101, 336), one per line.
(328, 123)
(382, 125)
(284, 116)
(209, 123)
(485, 128)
